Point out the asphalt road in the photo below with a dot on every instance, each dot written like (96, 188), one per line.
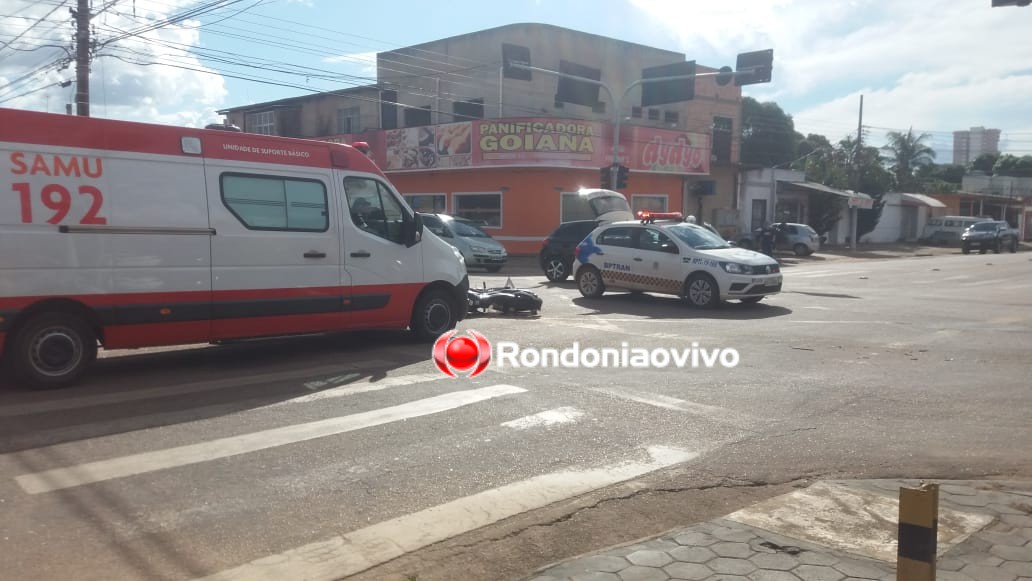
(336, 455)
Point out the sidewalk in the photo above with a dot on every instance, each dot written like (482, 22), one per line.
(831, 531)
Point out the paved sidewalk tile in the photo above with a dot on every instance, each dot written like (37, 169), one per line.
(722, 549)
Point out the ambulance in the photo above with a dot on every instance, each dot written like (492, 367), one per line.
(127, 235)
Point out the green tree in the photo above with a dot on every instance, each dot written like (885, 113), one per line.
(768, 134)
(908, 151)
(1012, 165)
(985, 162)
(943, 178)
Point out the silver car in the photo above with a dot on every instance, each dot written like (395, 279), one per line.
(477, 247)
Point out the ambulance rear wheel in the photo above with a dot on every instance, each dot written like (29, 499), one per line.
(52, 350)
(434, 315)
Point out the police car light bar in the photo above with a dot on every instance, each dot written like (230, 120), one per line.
(648, 216)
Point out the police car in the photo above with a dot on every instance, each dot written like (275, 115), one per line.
(662, 253)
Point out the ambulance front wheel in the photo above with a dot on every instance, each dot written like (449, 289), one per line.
(434, 315)
(52, 350)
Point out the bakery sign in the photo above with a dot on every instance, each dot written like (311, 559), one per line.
(538, 141)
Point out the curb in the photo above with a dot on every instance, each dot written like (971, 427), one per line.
(831, 529)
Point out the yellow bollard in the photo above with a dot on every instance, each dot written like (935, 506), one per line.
(918, 530)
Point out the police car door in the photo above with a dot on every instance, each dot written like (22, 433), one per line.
(657, 262)
(617, 244)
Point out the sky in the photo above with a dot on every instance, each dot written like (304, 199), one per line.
(932, 65)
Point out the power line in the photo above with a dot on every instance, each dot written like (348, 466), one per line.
(33, 25)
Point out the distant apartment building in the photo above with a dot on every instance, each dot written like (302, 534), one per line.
(969, 144)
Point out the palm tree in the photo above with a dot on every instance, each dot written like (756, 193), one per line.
(908, 151)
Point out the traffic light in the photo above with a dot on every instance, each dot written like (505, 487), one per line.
(621, 176)
(754, 67)
(606, 178)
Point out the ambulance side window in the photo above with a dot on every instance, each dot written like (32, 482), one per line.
(374, 208)
(276, 203)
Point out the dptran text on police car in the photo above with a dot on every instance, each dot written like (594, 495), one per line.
(511, 354)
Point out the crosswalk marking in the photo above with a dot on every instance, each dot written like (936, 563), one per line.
(363, 549)
(715, 413)
(561, 415)
(91, 472)
(70, 403)
(364, 386)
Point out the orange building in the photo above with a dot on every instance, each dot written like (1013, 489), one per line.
(458, 131)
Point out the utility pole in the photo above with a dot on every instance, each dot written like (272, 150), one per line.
(82, 58)
(855, 212)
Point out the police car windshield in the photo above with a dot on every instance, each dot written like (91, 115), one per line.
(698, 237)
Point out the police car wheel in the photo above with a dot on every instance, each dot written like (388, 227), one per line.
(52, 350)
(433, 316)
(800, 249)
(589, 282)
(556, 269)
(702, 291)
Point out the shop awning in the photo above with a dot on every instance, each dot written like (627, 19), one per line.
(922, 200)
(855, 199)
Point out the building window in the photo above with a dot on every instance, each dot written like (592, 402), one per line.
(374, 209)
(466, 110)
(671, 117)
(485, 209)
(348, 120)
(650, 202)
(722, 128)
(263, 123)
(653, 114)
(575, 207)
(275, 203)
(417, 117)
(427, 203)
(636, 112)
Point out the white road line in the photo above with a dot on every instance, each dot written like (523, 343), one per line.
(714, 413)
(842, 322)
(823, 275)
(363, 549)
(102, 470)
(180, 389)
(364, 386)
(561, 415)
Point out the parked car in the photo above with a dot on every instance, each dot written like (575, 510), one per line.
(556, 256)
(673, 257)
(994, 234)
(947, 230)
(801, 239)
(478, 248)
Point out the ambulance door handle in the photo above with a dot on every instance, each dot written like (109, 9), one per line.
(362, 254)
(637, 259)
(315, 254)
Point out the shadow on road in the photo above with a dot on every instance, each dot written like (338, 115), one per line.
(650, 306)
(123, 393)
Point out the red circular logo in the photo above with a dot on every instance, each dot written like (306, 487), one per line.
(466, 354)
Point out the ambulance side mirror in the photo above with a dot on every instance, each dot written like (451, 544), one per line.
(413, 230)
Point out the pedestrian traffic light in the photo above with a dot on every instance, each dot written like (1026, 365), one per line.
(621, 176)
(606, 178)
